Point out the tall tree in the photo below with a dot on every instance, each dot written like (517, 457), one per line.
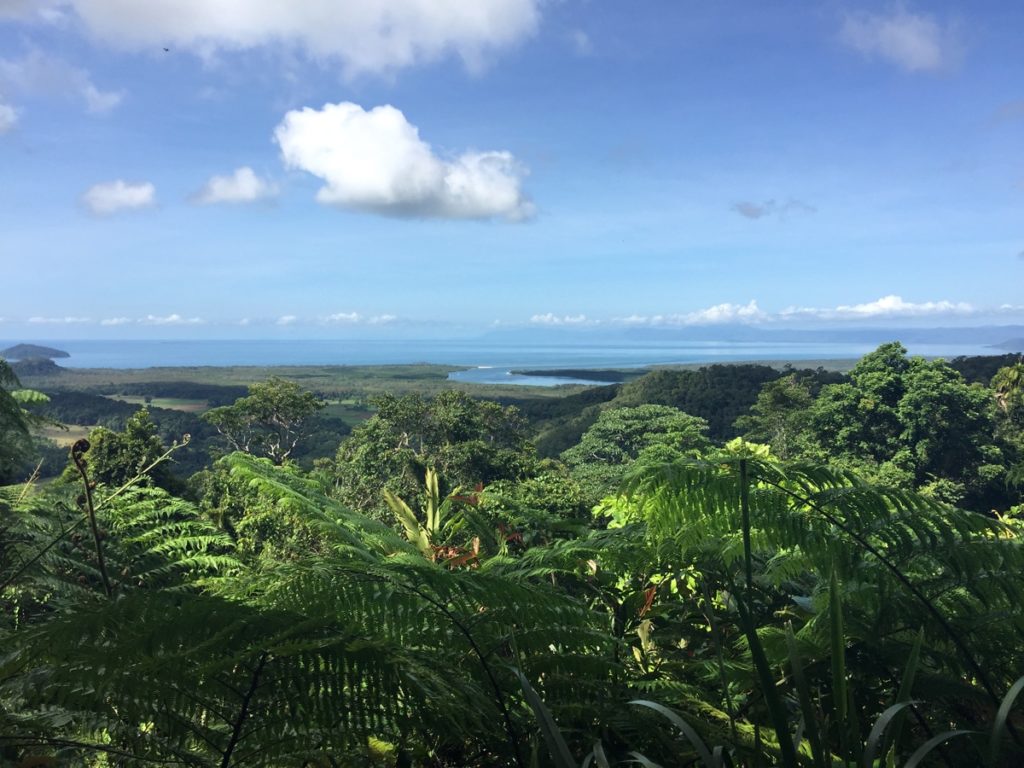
(466, 441)
(621, 436)
(114, 458)
(270, 421)
(780, 416)
(915, 422)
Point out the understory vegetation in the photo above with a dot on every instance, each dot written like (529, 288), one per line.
(729, 566)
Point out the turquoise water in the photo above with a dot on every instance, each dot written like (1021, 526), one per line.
(485, 361)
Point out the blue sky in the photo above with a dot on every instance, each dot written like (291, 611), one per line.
(394, 167)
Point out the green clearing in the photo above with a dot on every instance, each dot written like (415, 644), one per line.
(171, 403)
(65, 437)
(347, 411)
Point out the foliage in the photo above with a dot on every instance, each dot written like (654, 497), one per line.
(728, 608)
(16, 421)
(913, 422)
(780, 417)
(621, 436)
(719, 394)
(114, 458)
(270, 421)
(466, 441)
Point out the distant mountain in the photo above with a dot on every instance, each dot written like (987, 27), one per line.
(30, 351)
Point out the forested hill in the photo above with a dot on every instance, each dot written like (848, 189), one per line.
(29, 351)
(718, 393)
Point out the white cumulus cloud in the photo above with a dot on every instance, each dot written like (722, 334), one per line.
(915, 42)
(885, 307)
(286, 320)
(719, 314)
(362, 35)
(354, 318)
(173, 319)
(242, 186)
(343, 317)
(723, 313)
(116, 321)
(376, 161)
(111, 197)
(8, 117)
(550, 318)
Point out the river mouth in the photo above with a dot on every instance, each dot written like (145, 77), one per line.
(505, 375)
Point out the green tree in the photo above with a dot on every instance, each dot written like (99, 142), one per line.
(1008, 385)
(622, 436)
(467, 442)
(114, 458)
(1008, 388)
(16, 422)
(780, 417)
(270, 421)
(913, 422)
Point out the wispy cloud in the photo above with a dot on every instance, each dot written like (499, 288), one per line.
(915, 42)
(751, 210)
(116, 321)
(8, 117)
(286, 320)
(40, 75)
(581, 42)
(1011, 110)
(374, 160)
(59, 320)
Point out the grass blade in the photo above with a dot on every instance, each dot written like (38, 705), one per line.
(999, 725)
(922, 752)
(552, 736)
(876, 738)
(642, 760)
(776, 710)
(837, 642)
(807, 707)
(907, 686)
(599, 756)
(691, 735)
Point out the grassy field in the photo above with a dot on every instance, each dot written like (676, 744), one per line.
(172, 403)
(64, 437)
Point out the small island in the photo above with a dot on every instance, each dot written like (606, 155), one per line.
(32, 351)
(1011, 345)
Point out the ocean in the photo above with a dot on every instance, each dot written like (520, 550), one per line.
(484, 360)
